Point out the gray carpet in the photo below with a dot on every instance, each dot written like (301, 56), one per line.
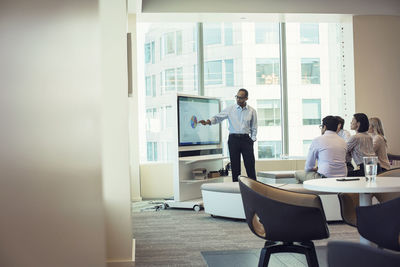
(248, 258)
(176, 237)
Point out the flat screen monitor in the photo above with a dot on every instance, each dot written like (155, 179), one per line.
(190, 111)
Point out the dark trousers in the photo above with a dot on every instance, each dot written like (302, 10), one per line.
(360, 172)
(241, 144)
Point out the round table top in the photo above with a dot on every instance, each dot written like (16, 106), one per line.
(382, 185)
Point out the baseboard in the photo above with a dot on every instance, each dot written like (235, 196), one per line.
(136, 199)
(128, 262)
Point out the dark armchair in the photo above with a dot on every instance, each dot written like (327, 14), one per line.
(287, 220)
(350, 201)
(347, 254)
(380, 224)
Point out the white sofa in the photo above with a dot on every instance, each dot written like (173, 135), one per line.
(224, 199)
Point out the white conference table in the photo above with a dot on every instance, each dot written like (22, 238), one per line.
(361, 186)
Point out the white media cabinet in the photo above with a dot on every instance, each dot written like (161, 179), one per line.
(187, 191)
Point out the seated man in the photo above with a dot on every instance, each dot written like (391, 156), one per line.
(329, 150)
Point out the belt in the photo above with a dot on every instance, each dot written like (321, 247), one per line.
(238, 135)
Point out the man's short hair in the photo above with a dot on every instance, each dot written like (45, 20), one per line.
(363, 120)
(246, 93)
(331, 123)
(341, 121)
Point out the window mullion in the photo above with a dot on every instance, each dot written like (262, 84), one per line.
(284, 89)
(200, 59)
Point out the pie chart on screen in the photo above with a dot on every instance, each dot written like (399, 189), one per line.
(193, 121)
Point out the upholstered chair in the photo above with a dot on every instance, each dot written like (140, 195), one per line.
(287, 220)
(380, 223)
(348, 254)
(350, 201)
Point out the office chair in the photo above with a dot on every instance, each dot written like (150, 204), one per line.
(380, 224)
(348, 254)
(287, 220)
(350, 201)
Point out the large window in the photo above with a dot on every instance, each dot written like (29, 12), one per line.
(309, 33)
(152, 154)
(149, 52)
(212, 33)
(269, 149)
(306, 146)
(171, 44)
(170, 80)
(213, 72)
(151, 85)
(218, 33)
(310, 71)
(267, 33)
(267, 70)
(311, 111)
(269, 112)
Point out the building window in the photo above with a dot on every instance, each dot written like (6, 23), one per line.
(148, 86)
(267, 33)
(228, 34)
(269, 112)
(267, 71)
(311, 111)
(310, 71)
(179, 43)
(229, 81)
(309, 33)
(149, 52)
(170, 80)
(213, 72)
(169, 117)
(306, 146)
(179, 79)
(269, 149)
(169, 43)
(211, 33)
(151, 85)
(152, 151)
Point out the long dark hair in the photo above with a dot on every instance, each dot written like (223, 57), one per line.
(363, 120)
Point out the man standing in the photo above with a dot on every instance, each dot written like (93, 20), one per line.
(242, 133)
(329, 150)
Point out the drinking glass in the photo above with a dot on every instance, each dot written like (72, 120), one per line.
(370, 168)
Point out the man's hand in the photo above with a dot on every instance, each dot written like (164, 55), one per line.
(203, 122)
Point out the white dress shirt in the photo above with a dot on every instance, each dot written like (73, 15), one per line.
(329, 150)
(358, 146)
(241, 120)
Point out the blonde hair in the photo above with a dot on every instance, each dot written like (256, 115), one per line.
(376, 124)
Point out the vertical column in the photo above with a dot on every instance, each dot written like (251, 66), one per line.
(284, 89)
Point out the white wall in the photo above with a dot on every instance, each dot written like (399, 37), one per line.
(115, 144)
(50, 103)
(133, 104)
(377, 69)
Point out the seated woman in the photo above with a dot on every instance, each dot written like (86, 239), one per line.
(379, 143)
(359, 145)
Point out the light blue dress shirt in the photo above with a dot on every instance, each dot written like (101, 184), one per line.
(241, 120)
(329, 150)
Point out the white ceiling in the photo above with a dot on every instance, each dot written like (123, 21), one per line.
(355, 7)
